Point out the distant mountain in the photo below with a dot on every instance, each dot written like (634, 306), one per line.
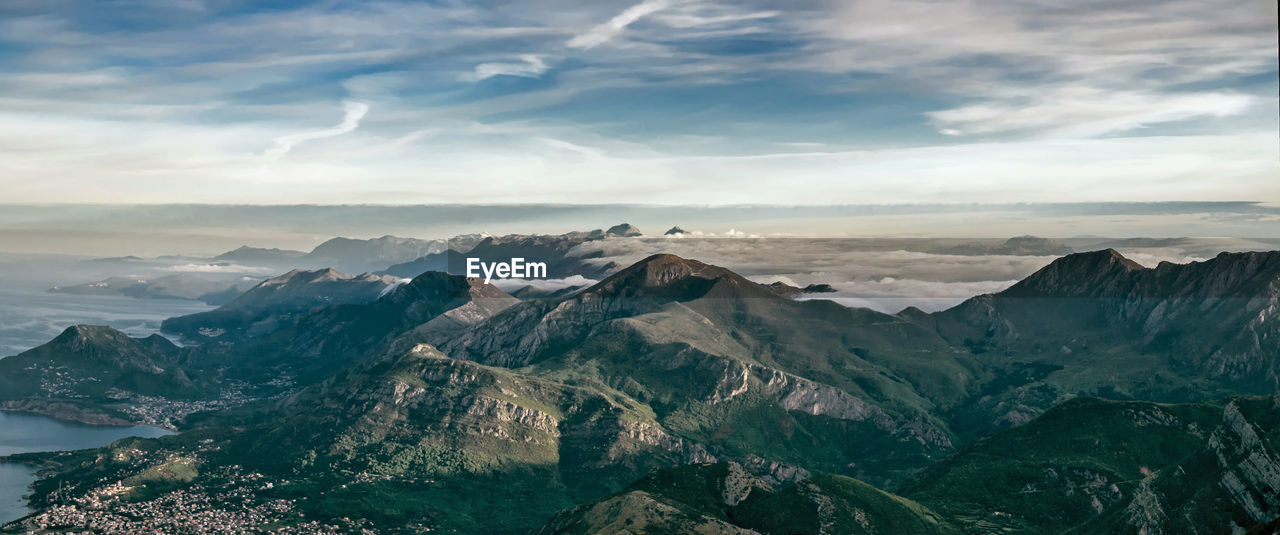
(1020, 245)
(624, 230)
(115, 260)
(552, 250)
(368, 255)
(787, 290)
(275, 302)
(1175, 247)
(257, 255)
(176, 286)
(449, 261)
(675, 230)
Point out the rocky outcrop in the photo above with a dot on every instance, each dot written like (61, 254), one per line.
(1250, 473)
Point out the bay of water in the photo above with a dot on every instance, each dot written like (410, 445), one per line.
(24, 433)
(29, 316)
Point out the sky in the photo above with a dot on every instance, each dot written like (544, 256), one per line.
(662, 102)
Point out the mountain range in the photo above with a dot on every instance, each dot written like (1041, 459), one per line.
(175, 286)
(229, 274)
(553, 250)
(681, 397)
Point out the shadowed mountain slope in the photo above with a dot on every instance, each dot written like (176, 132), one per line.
(1093, 466)
(275, 302)
(94, 374)
(725, 498)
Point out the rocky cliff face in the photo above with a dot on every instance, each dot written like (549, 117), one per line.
(1108, 467)
(1250, 473)
(1174, 332)
(426, 415)
(708, 347)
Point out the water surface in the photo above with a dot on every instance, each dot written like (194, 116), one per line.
(30, 316)
(23, 433)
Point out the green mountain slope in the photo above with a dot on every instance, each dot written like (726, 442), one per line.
(1099, 324)
(96, 374)
(1093, 466)
(725, 498)
(276, 302)
(727, 362)
(325, 340)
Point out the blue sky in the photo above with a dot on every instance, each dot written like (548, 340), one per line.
(649, 101)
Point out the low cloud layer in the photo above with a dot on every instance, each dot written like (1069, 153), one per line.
(877, 274)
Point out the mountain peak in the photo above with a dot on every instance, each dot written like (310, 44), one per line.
(670, 276)
(624, 230)
(1077, 275)
(78, 338)
(1110, 258)
(664, 267)
(439, 285)
(89, 333)
(306, 275)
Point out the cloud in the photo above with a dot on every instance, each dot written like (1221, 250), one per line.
(677, 102)
(693, 18)
(392, 287)
(545, 285)
(865, 273)
(1085, 112)
(821, 260)
(1025, 68)
(352, 113)
(217, 268)
(606, 32)
(530, 66)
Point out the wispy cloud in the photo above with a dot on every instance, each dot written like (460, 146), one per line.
(604, 33)
(891, 101)
(529, 66)
(352, 113)
(1086, 112)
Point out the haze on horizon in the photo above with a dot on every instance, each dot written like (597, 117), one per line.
(666, 102)
(207, 229)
